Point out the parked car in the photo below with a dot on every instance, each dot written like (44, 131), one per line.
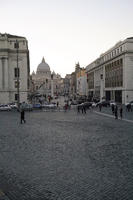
(26, 107)
(131, 103)
(87, 104)
(74, 102)
(49, 106)
(112, 102)
(13, 105)
(37, 106)
(103, 103)
(5, 108)
(94, 104)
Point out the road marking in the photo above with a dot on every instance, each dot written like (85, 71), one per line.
(111, 116)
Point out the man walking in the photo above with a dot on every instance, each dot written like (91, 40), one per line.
(121, 112)
(22, 116)
(22, 113)
(116, 112)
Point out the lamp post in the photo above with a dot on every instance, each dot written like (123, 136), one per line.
(52, 87)
(18, 97)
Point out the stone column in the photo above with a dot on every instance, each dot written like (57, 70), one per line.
(52, 86)
(1, 74)
(6, 78)
(101, 87)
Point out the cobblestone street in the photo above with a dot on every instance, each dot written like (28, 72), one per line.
(65, 156)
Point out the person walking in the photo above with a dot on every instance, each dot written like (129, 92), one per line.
(78, 108)
(113, 108)
(100, 107)
(121, 112)
(22, 113)
(83, 109)
(57, 104)
(116, 112)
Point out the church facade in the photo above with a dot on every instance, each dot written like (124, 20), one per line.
(46, 83)
(14, 68)
(42, 79)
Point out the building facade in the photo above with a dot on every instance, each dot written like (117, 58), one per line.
(45, 82)
(111, 75)
(81, 82)
(14, 68)
(42, 79)
(67, 84)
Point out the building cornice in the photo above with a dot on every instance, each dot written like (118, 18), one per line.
(111, 59)
(14, 51)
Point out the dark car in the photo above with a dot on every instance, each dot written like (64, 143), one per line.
(131, 103)
(74, 102)
(37, 106)
(87, 104)
(104, 103)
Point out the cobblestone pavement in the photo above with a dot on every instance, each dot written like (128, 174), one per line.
(65, 156)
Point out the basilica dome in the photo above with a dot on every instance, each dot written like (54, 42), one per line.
(43, 67)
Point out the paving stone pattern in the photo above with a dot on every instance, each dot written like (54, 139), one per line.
(65, 156)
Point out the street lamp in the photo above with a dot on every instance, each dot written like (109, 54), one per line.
(18, 97)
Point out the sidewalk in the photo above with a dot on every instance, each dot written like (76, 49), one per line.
(127, 116)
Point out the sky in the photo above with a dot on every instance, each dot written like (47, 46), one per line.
(65, 32)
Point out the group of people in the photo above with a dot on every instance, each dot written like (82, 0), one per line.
(115, 111)
(81, 107)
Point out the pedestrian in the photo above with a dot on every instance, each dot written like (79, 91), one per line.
(57, 104)
(121, 112)
(22, 112)
(128, 107)
(78, 108)
(65, 107)
(100, 107)
(113, 108)
(83, 109)
(116, 112)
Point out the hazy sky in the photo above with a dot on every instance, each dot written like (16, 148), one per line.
(67, 31)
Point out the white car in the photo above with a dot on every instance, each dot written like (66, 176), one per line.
(131, 103)
(94, 104)
(49, 106)
(112, 103)
(13, 105)
(5, 108)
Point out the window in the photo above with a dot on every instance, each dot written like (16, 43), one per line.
(112, 53)
(120, 61)
(16, 45)
(16, 72)
(16, 97)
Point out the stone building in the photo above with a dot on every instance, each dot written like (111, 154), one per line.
(14, 68)
(42, 79)
(111, 75)
(73, 80)
(81, 82)
(45, 81)
(67, 84)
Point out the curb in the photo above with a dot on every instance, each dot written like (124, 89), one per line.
(108, 115)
